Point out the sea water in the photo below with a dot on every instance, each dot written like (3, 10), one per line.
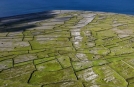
(18, 7)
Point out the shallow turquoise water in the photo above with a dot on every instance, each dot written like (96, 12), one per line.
(16, 7)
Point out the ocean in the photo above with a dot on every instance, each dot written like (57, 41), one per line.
(18, 7)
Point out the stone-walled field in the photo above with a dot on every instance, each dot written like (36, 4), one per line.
(67, 49)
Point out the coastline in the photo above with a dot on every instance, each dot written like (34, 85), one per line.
(46, 14)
